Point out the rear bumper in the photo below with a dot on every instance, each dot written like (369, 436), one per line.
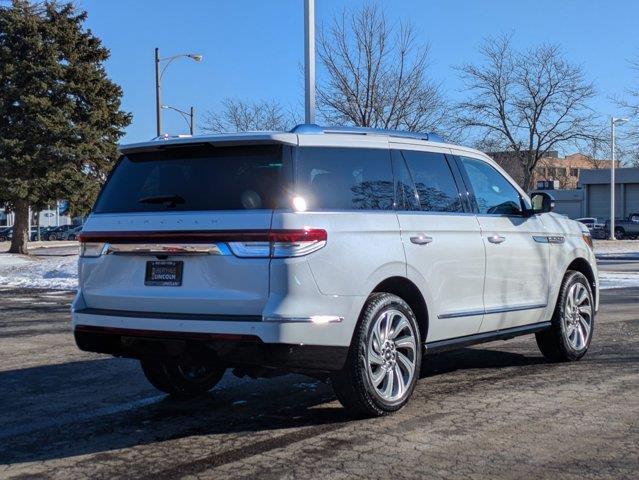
(233, 350)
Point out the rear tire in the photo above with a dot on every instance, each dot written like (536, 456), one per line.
(573, 321)
(384, 359)
(182, 381)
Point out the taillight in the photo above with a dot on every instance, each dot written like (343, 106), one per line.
(91, 249)
(281, 244)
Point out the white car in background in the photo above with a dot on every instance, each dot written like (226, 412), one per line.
(342, 253)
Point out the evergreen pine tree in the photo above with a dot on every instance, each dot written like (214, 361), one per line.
(60, 116)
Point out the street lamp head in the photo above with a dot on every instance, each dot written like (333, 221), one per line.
(196, 56)
(618, 121)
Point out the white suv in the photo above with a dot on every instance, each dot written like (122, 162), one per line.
(341, 253)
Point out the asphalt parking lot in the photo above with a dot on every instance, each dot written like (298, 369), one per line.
(494, 411)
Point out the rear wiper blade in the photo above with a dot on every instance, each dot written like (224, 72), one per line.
(168, 200)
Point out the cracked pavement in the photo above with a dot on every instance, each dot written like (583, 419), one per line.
(498, 410)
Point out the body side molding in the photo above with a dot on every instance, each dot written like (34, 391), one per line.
(489, 311)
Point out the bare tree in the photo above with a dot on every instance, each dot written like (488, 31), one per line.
(374, 75)
(242, 116)
(527, 102)
(597, 151)
(630, 138)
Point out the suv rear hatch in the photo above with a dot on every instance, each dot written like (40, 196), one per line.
(164, 229)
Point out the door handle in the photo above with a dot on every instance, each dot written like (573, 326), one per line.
(496, 238)
(421, 239)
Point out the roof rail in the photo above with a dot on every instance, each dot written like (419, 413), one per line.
(167, 136)
(310, 128)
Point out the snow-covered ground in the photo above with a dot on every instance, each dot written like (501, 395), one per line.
(617, 248)
(618, 279)
(53, 272)
(61, 273)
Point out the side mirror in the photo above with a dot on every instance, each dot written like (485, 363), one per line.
(542, 202)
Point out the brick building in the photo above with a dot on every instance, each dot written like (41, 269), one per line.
(565, 170)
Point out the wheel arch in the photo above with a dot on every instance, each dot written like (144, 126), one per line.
(581, 265)
(410, 293)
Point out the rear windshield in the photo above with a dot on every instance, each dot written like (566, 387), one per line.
(196, 178)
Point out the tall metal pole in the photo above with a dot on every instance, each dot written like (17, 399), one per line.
(612, 179)
(309, 61)
(158, 101)
(192, 120)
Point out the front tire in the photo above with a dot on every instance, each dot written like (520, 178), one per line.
(384, 360)
(572, 323)
(620, 233)
(182, 381)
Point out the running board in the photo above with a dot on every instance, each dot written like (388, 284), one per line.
(505, 334)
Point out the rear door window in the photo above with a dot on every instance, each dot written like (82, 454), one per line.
(197, 178)
(434, 184)
(334, 178)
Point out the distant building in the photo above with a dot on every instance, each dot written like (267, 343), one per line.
(596, 187)
(552, 167)
(592, 198)
(6, 219)
(44, 218)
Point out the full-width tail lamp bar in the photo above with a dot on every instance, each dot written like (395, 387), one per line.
(242, 243)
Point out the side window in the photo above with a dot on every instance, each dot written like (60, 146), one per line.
(494, 194)
(433, 181)
(405, 194)
(332, 178)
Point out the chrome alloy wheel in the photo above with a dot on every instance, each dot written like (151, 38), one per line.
(391, 355)
(578, 316)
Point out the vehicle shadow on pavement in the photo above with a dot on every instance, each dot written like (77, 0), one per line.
(475, 358)
(95, 406)
(85, 407)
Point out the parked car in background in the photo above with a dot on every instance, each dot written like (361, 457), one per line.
(44, 233)
(341, 253)
(626, 228)
(6, 233)
(72, 233)
(590, 222)
(58, 233)
(596, 227)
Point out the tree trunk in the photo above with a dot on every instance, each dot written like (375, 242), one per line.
(20, 228)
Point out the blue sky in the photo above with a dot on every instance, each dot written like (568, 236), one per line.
(253, 49)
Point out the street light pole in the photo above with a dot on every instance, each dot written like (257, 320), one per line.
(309, 61)
(190, 114)
(613, 121)
(158, 100)
(158, 78)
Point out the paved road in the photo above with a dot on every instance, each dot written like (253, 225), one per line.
(494, 411)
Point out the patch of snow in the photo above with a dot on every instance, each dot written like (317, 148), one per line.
(609, 247)
(51, 272)
(618, 280)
